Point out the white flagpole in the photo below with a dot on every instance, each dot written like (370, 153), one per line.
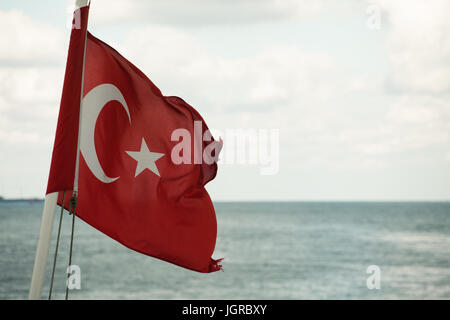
(43, 246)
(79, 4)
(48, 214)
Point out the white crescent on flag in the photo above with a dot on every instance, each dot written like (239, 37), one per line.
(93, 104)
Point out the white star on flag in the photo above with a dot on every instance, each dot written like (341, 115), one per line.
(145, 159)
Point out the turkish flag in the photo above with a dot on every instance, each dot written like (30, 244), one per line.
(144, 159)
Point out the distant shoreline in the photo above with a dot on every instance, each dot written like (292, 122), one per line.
(21, 200)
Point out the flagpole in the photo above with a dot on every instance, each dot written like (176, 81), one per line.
(40, 262)
(80, 3)
(48, 214)
(73, 201)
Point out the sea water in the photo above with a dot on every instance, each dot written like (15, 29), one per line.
(285, 250)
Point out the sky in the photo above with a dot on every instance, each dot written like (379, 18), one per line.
(357, 91)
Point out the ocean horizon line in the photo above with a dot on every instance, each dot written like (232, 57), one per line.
(37, 199)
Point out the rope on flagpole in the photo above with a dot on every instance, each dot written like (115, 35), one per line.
(57, 246)
(73, 205)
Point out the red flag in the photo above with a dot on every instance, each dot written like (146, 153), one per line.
(66, 138)
(130, 188)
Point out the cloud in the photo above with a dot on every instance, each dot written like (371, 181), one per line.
(419, 122)
(17, 137)
(30, 85)
(418, 45)
(28, 42)
(274, 78)
(418, 110)
(31, 75)
(211, 12)
(417, 49)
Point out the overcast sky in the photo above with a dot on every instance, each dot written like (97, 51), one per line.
(363, 112)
